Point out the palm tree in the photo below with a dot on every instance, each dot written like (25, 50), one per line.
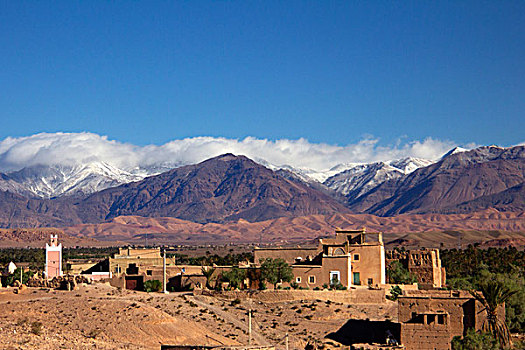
(494, 294)
(208, 273)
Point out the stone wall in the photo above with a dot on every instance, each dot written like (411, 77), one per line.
(353, 296)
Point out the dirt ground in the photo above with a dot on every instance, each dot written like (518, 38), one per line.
(102, 317)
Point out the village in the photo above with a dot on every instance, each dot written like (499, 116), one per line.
(344, 293)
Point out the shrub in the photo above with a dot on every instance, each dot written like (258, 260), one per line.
(395, 292)
(475, 341)
(152, 286)
(235, 302)
(36, 328)
(94, 333)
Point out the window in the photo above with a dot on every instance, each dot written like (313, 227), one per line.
(132, 269)
(431, 319)
(311, 279)
(117, 269)
(149, 272)
(356, 257)
(416, 318)
(370, 281)
(297, 279)
(441, 319)
(335, 276)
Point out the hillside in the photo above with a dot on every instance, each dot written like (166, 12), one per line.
(220, 189)
(448, 185)
(426, 230)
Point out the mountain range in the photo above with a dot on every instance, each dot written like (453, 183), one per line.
(229, 188)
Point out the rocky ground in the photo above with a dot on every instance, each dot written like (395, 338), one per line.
(102, 317)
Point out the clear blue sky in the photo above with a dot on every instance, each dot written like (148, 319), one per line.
(148, 72)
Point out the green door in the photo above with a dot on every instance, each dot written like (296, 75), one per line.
(357, 278)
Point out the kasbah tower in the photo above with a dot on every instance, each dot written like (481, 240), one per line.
(53, 258)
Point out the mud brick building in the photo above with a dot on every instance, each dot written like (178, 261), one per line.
(352, 258)
(430, 319)
(425, 264)
(131, 267)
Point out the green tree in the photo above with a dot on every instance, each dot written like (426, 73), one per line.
(475, 341)
(234, 277)
(152, 286)
(494, 293)
(15, 276)
(398, 274)
(276, 271)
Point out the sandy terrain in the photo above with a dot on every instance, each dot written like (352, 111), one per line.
(427, 230)
(101, 317)
(97, 317)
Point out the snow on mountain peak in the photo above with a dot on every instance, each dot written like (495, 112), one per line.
(60, 180)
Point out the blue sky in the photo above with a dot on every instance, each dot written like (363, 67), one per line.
(332, 72)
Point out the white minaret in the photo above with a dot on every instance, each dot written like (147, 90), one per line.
(53, 258)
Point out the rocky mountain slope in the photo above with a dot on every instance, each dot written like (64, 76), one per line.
(228, 188)
(223, 188)
(475, 177)
(219, 189)
(361, 178)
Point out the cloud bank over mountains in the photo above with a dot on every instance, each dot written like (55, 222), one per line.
(71, 149)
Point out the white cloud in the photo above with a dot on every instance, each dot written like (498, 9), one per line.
(78, 148)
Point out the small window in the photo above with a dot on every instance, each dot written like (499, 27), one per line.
(356, 257)
(416, 318)
(441, 319)
(431, 319)
(311, 279)
(370, 281)
(297, 279)
(149, 272)
(335, 277)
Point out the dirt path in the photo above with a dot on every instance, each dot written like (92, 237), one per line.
(259, 338)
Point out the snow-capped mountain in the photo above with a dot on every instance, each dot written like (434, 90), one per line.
(58, 180)
(48, 181)
(361, 178)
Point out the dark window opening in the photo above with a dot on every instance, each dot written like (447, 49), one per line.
(431, 319)
(132, 269)
(417, 318)
(149, 272)
(441, 319)
(370, 281)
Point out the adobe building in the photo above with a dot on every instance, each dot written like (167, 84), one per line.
(53, 258)
(352, 258)
(430, 319)
(427, 320)
(424, 264)
(131, 267)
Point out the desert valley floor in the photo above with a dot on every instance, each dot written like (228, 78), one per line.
(99, 316)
